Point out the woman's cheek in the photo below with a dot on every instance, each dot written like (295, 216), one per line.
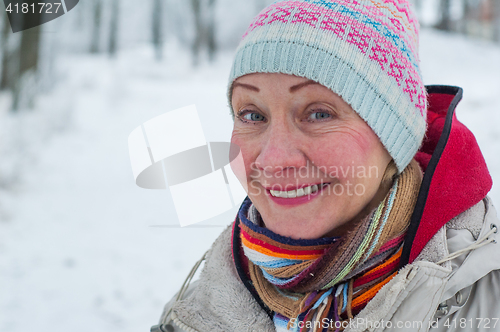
(341, 162)
(241, 165)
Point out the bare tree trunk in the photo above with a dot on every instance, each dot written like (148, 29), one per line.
(260, 4)
(7, 59)
(113, 29)
(198, 39)
(96, 31)
(211, 43)
(466, 16)
(10, 52)
(496, 20)
(445, 10)
(157, 28)
(418, 6)
(25, 80)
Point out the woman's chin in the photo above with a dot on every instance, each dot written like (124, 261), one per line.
(302, 232)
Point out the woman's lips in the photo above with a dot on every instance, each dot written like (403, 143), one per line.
(297, 200)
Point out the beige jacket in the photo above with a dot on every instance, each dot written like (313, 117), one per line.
(437, 292)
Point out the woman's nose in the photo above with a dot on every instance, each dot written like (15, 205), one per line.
(281, 149)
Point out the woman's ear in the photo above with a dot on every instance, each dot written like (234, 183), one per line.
(390, 173)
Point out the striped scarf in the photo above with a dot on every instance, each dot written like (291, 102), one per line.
(307, 281)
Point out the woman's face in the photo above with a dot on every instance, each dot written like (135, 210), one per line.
(311, 163)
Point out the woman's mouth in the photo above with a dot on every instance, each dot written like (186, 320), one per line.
(295, 193)
(296, 196)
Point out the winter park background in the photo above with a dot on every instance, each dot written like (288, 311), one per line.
(82, 248)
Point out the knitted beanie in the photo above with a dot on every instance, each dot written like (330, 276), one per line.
(366, 51)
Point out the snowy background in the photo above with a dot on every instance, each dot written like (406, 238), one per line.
(84, 249)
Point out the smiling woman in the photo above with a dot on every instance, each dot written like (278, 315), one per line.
(365, 193)
(288, 126)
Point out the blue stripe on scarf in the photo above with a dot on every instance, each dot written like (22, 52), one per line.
(322, 298)
(276, 281)
(278, 263)
(344, 305)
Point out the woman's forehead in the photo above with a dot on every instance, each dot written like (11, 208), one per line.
(287, 86)
(271, 77)
(276, 83)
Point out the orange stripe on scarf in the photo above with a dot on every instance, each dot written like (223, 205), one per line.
(370, 293)
(268, 252)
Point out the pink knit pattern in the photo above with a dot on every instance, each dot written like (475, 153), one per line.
(403, 21)
(377, 47)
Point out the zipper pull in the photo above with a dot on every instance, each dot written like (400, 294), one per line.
(162, 328)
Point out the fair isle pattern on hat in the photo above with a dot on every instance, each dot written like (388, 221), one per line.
(366, 51)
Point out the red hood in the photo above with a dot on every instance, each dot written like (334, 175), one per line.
(455, 173)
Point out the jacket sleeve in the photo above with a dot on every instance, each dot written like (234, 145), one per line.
(481, 312)
(166, 324)
(476, 307)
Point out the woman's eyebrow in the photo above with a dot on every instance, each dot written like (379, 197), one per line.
(301, 85)
(246, 86)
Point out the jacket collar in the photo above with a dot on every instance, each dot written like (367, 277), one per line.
(455, 173)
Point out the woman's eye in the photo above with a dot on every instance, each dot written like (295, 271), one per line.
(319, 115)
(252, 116)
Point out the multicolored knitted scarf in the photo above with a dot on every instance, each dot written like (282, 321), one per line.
(329, 278)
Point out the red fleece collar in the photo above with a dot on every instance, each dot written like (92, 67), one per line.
(456, 177)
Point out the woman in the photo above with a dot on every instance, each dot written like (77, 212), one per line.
(366, 205)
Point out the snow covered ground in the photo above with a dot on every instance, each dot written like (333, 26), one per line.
(80, 245)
